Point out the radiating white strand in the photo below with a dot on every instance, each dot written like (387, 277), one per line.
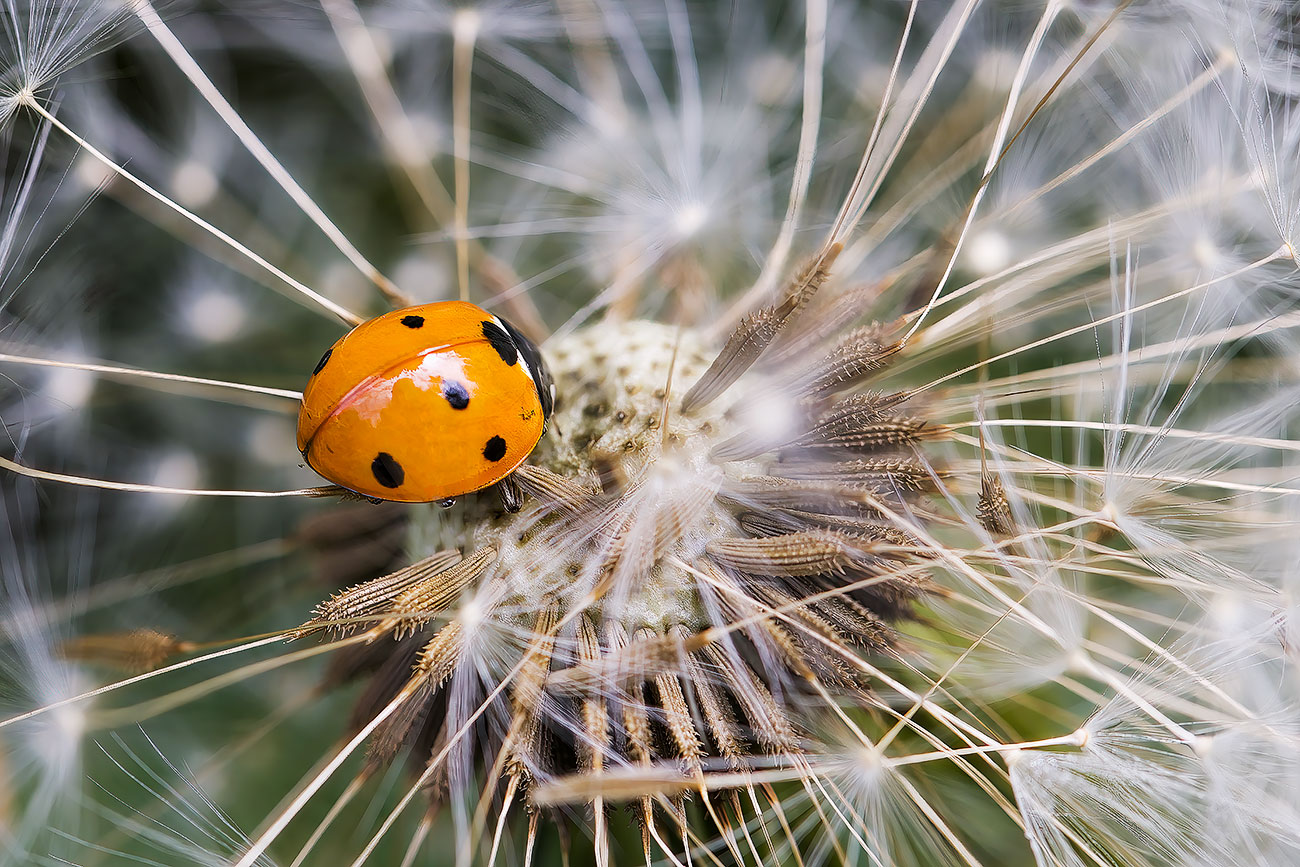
(130, 372)
(286, 816)
(873, 171)
(19, 206)
(465, 25)
(996, 151)
(346, 315)
(107, 485)
(187, 65)
(148, 675)
(1280, 253)
(813, 67)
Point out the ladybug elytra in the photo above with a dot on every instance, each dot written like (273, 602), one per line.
(424, 404)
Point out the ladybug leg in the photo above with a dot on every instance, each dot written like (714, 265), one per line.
(512, 496)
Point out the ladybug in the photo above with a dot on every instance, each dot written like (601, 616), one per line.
(424, 404)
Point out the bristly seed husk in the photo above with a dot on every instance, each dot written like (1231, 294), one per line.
(661, 575)
(649, 584)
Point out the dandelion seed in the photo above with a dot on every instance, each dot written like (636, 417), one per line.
(69, 388)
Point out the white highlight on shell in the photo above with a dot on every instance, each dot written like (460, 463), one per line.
(523, 362)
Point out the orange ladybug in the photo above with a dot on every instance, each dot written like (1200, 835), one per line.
(425, 404)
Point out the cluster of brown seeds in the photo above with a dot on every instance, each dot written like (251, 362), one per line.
(702, 537)
(673, 587)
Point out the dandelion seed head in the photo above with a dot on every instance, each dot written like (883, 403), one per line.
(770, 414)
(614, 381)
(92, 174)
(40, 43)
(176, 468)
(1207, 254)
(690, 217)
(465, 23)
(266, 438)
(988, 252)
(608, 425)
(340, 281)
(657, 521)
(773, 78)
(59, 736)
(430, 132)
(194, 184)
(426, 272)
(68, 389)
(793, 586)
(212, 314)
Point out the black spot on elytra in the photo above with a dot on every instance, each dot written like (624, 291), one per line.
(501, 342)
(495, 449)
(541, 376)
(413, 321)
(324, 358)
(456, 394)
(387, 471)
